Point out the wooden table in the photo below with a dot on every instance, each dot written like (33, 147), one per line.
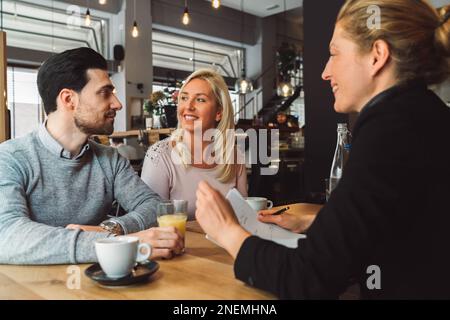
(205, 271)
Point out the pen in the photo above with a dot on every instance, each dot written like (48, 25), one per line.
(280, 211)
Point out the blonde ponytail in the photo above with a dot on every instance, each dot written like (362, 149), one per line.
(442, 33)
(418, 36)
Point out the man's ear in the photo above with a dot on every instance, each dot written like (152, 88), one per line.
(380, 56)
(67, 99)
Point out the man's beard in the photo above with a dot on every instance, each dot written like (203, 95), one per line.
(93, 128)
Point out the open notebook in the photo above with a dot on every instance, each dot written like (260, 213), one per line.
(248, 219)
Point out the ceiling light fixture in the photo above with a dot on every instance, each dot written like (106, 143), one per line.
(186, 18)
(102, 2)
(87, 19)
(215, 4)
(135, 30)
(285, 88)
(243, 84)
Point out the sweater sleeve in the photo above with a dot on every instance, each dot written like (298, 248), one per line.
(360, 214)
(24, 241)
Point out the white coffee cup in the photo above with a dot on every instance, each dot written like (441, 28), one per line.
(259, 203)
(117, 256)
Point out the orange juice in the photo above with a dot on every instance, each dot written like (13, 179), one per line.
(174, 220)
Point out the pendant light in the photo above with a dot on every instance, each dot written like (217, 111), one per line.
(102, 2)
(186, 18)
(135, 30)
(243, 84)
(215, 4)
(87, 19)
(285, 88)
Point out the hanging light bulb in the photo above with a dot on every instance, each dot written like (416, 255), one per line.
(243, 84)
(285, 89)
(102, 2)
(215, 4)
(87, 20)
(135, 30)
(185, 20)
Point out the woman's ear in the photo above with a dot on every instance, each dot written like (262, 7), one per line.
(219, 116)
(380, 55)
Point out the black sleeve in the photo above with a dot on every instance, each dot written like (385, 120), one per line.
(360, 213)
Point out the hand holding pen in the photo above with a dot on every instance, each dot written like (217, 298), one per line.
(281, 211)
(290, 221)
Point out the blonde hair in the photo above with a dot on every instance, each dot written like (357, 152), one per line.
(223, 144)
(417, 34)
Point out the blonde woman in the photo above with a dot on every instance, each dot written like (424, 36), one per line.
(386, 224)
(203, 146)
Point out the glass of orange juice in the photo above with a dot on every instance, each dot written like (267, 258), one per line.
(168, 216)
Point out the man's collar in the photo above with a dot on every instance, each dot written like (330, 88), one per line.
(54, 147)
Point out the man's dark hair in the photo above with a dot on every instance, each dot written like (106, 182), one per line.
(66, 70)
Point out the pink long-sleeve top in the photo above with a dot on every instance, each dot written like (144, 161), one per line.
(175, 181)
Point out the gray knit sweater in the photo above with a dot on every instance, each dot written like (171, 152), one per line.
(41, 192)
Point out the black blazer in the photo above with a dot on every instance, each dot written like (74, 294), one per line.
(391, 210)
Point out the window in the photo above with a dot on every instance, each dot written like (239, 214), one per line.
(24, 102)
(53, 26)
(180, 52)
(234, 98)
(190, 54)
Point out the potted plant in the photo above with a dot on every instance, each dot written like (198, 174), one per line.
(157, 101)
(148, 113)
(162, 106)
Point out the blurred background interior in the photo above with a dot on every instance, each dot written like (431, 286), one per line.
(270, 52)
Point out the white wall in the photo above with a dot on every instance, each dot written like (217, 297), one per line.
(137, 66)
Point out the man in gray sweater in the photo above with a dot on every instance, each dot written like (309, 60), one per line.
(56, 186)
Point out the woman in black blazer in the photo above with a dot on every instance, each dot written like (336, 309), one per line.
(387, 224)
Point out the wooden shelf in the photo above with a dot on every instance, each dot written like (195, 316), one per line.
(153, 135)
(135, 133)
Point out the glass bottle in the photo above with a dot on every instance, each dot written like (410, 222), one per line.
(340, 156)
